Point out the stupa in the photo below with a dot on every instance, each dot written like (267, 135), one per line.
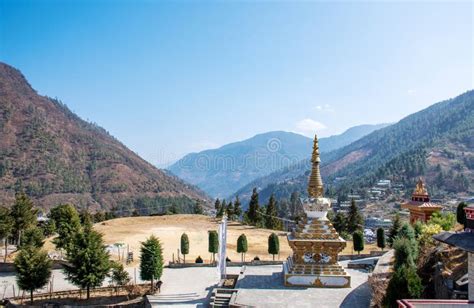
(314, 241)
(420, 206)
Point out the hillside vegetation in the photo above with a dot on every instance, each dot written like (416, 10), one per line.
(56, 157)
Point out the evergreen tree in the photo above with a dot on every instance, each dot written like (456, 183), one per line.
(253, 214)
(242, 246)
(355, 221)
(394, 229)
(222, 209)
(358, 241)
(405, 283)
(237, 208)
(32, 237)
(151, 260)
(271, 221)
(184, 245)
(381, 238)
(33, 269)
(230, 210)
(461, 214)
(404, 254)
(283, 208)
(296, 207)
(119, 276)
(273, 245)
(6, 228)
(23, 214)
(87, 259)
(340, 223)
(217, 206)
(197, 209)
(67, 222)
(213, 244)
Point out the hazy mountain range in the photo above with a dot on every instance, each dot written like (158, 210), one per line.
(436, 143)
(221, 172)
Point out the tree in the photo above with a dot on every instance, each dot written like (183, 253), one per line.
(23, 214)
(403, 252)
(407, 231)
(445, 220)
(222, 209)
(32, 237)
(242, 246)
(271, 220)
(67, 222)
(461, 214)
(119, 276)
(253, 214)
(197, 209)
(237, 208)
(184, 245)
(358, 241)
(355, 221)
(151, 260)
(283, 208)
(394, 229)
(340, 223)
(213, 244)
(296, 207)
(88, 260)
(217, 206)
(6, 228)
(405, 283)
(33, 269)
(273, 245)
(381, 238)
(229, 209)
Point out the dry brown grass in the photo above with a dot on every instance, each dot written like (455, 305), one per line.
(134, 230)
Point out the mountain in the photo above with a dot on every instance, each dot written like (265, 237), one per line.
(56, 157)
(436, 143)
(222, 171)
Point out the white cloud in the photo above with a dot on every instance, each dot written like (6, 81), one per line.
(325, 107)
(309, 127)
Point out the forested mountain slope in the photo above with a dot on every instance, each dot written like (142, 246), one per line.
(56, 157)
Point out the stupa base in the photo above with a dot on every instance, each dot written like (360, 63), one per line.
(315, 275)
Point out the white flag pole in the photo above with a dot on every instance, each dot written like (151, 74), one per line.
(221, 263)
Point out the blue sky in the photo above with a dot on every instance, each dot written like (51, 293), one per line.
(168, 78)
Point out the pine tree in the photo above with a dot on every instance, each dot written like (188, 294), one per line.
(358, 241)
(23, 214)
(340, 223)
(119, 276)
(253, 214)
(271, 221)
(6, 228)
(273, 245)
(222, 209)
(230, 210)
(213, 244)
(88, 260)
(355, 221)
(32, 237)
(381, 238)
(197, 209)
(237, 208)
(242, 246)
(33, 269)
(67, 223)
(283, 208)
(461, 214)
(217, 206)
(296, 207)
(396, 226)
(405, 283)
(151, 260)
(184, 245)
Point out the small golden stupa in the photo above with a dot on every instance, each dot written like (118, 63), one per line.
(315, 242)
(420, 206)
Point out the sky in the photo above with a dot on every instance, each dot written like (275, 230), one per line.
(172, 77)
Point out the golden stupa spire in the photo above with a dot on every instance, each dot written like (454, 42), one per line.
(315, 185)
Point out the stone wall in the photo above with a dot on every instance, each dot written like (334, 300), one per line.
(471, 276)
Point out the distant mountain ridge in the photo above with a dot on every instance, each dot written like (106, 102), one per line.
(220, 172)
(56, 157)
(436, 143)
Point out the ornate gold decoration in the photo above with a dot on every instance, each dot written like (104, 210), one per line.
(315, 185)
(420, 188)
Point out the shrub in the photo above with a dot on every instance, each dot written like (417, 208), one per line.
(256, 258)
(199, 260)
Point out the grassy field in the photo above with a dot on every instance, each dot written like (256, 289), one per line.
(133, 230)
